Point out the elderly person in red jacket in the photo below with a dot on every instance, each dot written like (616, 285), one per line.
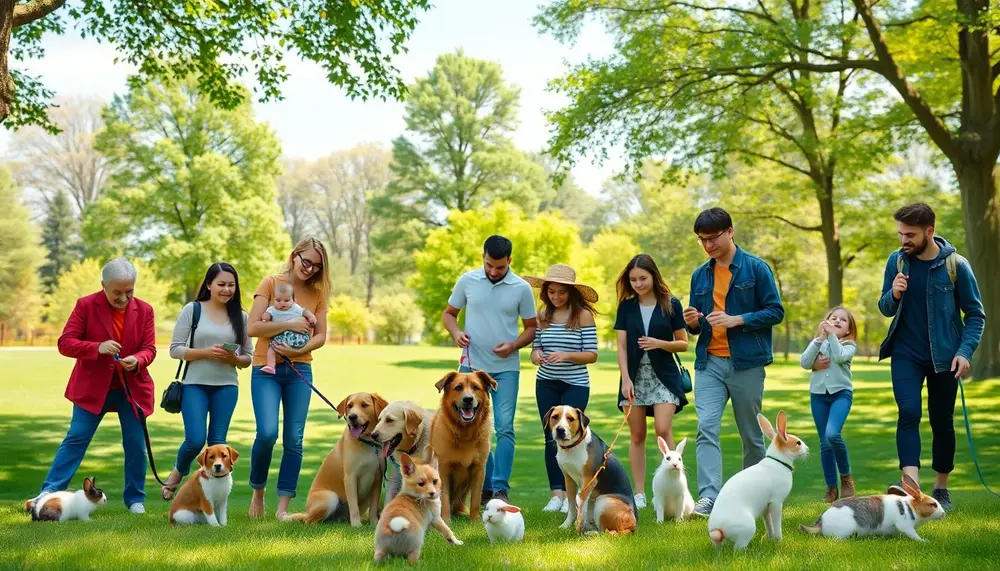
(102, 326)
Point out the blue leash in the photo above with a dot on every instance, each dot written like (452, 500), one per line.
(972, 447)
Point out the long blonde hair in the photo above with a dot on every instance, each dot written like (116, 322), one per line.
(319, 280)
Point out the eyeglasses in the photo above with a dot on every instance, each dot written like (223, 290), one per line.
(309, 265)
(706, 241)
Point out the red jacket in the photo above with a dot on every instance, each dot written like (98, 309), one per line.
(88, 326)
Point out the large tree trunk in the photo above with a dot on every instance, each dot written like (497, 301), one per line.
(982, 239)
(6, 81)
(831, 243)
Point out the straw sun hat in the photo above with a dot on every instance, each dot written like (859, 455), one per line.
(563, 274)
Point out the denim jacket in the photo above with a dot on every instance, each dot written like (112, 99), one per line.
(752, 294)
(950, 336)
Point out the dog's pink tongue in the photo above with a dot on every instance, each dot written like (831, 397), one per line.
(385, 449)
(356, 431)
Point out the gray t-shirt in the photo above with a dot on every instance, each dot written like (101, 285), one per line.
(492, 315)
(647, 315)
(208, 334)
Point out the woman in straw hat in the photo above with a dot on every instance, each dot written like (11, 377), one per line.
(651, 331)
(565, 342)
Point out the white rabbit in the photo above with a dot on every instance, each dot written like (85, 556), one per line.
(759, 490)
(878, 515)
(65, 506)
(671, 496)
(503, 521)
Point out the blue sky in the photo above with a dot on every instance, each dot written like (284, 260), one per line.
(316, 118)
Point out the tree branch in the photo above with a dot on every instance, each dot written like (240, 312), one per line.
(774, 160)
(853, 256)
(27, 13)
(787, 221)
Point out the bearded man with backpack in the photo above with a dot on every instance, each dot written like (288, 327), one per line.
(927, 289)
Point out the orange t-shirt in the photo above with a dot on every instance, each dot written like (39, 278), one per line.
(309, 298)
(719, 345)
(118, 328)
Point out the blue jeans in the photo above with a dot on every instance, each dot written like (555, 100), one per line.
(549, 394)
(907, 385)
(81, 431)
(829, 413)
(268, 392)
(200, 401)
(499, 468)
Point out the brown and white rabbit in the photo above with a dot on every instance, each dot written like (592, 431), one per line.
(64, 506)
(878, 515)
(757, 491)
(403, 525)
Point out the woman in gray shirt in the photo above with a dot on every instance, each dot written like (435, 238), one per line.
(220, 346)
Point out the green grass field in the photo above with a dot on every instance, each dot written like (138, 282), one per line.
(34, 416)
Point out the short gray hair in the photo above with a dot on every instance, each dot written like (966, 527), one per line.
(118, 269)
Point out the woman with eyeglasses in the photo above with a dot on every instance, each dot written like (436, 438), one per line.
(307, 272)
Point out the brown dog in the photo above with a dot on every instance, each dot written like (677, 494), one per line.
(460, 433)
(352, 471)
(205, 497)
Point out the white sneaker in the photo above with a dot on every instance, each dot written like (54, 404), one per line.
(640, 501)
(138, 508)
(565, 506)
(554, 505)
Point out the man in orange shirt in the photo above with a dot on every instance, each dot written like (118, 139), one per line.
(734, 297)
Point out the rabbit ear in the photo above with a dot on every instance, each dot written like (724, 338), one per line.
(765, 426)
(911, 487)
(510, 509)
(783, 425)
(680, 447)
(662, 444)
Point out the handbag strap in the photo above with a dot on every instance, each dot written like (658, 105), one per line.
(196, 309)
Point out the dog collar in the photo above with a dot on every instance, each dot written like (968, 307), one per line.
(783, 463)
(410, 452)
(575, 444)
(370, 443)
(206, 472)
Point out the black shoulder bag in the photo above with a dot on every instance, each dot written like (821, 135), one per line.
(171, 400)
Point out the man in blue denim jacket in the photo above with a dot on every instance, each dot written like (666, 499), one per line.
(926, 289)
(734, 303)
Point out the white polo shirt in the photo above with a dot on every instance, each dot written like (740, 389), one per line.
(492, 316)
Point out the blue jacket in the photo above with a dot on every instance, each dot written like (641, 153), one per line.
(752, 294)
(950, 336)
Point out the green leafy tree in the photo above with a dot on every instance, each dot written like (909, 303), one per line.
(348, 317)
(60, 238)
(220, 42)
(456, 154)
(84, 278)
(396, 318)
(457, 248)
(195, 185)
(20, 257)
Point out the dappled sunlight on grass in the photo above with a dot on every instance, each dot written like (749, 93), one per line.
(34, 417)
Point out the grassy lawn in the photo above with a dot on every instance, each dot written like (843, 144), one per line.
(34, 416)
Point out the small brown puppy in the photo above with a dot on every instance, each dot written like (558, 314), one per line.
(352, 471)
(203, 499)
(460, 433)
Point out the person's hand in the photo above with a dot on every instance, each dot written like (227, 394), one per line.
(960, 366)
(538, 357)
(628, 390)
(723, 320)
(461, 339)
(557, 357)
(899, 286)
(825, 328)
(504, 350)
(311, 319)
(217, 353)
(299, 325)
(650, 343)
(286, 351)
(109, 347)
(129, 363)
(691, 317)
(821, 363)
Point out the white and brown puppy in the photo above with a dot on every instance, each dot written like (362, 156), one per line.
(609, 502)
(403, 427)
(64, 506)
(349, 483)
(203, 499)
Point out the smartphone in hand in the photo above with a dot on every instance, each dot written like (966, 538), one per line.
(231, 347)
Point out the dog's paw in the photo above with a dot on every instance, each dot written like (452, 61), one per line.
(456, 541)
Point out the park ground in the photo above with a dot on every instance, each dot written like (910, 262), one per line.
(34, 416)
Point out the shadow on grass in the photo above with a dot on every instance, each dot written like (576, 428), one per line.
(425, 364)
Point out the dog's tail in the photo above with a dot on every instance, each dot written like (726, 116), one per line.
(399, 523)
(716, 535)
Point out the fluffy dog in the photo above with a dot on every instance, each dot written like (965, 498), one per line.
(352, 471)
(460, 433)
(403, 427)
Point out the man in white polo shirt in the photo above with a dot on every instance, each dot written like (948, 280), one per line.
(494, 298)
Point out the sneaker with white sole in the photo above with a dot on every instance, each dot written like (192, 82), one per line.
(640, 501)
(138, 508)
(554, 505)
(565, 506)
(704, 507)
